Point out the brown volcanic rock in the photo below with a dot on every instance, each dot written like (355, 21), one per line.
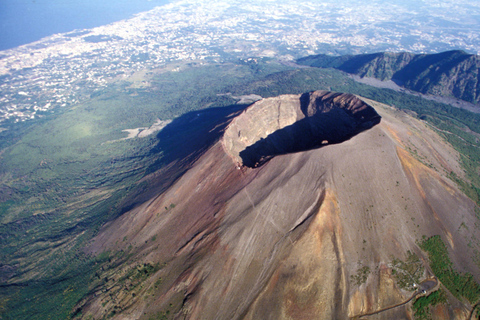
(295, 123)
(282, 241)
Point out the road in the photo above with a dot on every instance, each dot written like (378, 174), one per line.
(424, 288)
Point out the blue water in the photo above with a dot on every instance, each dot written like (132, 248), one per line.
(25, 21)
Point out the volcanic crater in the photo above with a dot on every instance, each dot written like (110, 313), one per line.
(285, 241)
(293, 123)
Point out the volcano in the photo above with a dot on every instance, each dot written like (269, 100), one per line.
(308, 206)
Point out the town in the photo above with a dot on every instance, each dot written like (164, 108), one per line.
(65, 69)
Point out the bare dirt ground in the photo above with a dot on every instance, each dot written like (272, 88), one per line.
(245, 99)
(143, 132)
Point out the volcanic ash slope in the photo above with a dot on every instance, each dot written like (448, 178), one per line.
(275, 219)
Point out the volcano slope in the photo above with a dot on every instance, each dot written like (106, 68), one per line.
(308, 207)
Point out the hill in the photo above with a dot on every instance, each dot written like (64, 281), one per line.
(449, 74)
(332, 229)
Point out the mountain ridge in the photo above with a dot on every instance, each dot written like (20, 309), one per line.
(449, 74)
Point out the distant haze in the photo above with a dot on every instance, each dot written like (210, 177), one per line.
(25, 21)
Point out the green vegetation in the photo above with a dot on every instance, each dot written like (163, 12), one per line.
(461, 285)
(409, 272)
(361, 276)
(54, 297)
(422, 305)
(141, 272)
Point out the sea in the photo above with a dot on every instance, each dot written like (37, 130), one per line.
(26, 21)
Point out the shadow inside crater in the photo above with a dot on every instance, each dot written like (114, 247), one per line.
(334, 126)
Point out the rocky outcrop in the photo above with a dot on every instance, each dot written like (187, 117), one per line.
(296, 123)
(449, 74)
